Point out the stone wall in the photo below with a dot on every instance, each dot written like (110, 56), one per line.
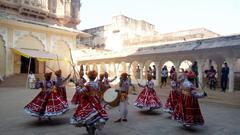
(60, 12)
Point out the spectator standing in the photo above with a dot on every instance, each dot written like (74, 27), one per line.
(164, 76)
(224, 77)
(211, 73)
(154, 72)
(195, 71)
(31, 79)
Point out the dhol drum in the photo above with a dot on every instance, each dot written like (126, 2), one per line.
(111, 97)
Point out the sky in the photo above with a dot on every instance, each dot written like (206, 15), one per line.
(220, 16)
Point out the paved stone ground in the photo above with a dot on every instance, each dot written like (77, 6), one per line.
(221, 117)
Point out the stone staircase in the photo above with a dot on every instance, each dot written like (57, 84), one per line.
(16, 80)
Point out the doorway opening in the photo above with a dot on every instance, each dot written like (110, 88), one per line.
(25, 64)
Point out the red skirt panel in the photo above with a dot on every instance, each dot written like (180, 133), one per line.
(187, 111)
(148, 99)
(47, 104)
(171, 101)
(89, 111)
(63, 93)
(76, 98)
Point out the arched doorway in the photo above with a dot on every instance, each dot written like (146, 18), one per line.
(185, 65)
(169, 65)
(21, 63)
(149, 68)
(135, 70)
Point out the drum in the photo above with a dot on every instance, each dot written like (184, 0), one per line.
(111, 97)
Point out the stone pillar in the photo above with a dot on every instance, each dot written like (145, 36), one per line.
(116, 67)
(67, 8)
(200, 71)
(157, 65)
(84, 69)
(102, 67)
(231, 65)
(91, 67)
(128, 65)
(75, 8)
(177, 65)
(9, 54)
(99, 70)
(141, 70)
(219, 68)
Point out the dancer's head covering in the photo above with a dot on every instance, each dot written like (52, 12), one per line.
(124, 75)
(81, 73)
(106, 74)
(149, 76)
(92, 74)
(58, 72)
(101, 76)
(48, 76)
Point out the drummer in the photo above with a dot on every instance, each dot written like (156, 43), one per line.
(124, 86)
(106, 85)
(106, 81)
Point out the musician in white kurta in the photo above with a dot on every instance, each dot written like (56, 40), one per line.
(124, 86)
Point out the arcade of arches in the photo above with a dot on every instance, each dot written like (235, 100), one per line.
(211, 52)
(138, 70)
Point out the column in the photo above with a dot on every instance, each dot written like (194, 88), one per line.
(141, 70)
(128, 65)
(176, 65)
(99, 69)
(102, 67)
(231, 65)
(200, 72)
(157, 65)
(116, 67)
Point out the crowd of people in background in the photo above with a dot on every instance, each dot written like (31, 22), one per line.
(210, 74)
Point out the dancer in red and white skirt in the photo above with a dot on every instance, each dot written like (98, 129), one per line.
(187, 110)
(48, 102)
(60, 84)
(173, 95)
(90, 113)
(79, 85)
(148, 99)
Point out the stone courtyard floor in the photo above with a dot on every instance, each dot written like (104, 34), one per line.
(220, 110)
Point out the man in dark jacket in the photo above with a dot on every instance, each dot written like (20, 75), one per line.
(195, 70)
(224, 77)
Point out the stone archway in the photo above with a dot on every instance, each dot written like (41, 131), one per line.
(61, 49)
(135, 70)
(111, 70)
(32, 43)
(122, 67)
(148, 69)
(2, 58)
(185, 65)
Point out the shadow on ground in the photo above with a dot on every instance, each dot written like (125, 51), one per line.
(45, 122)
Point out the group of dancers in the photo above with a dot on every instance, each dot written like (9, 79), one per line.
(90, 113)
(182, 102)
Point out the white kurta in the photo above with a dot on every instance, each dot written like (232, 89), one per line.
(123, 104)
